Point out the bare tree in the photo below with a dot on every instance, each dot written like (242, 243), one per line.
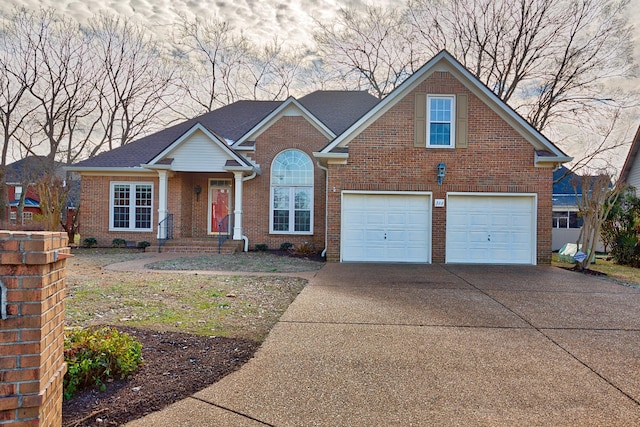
(597, 199)
(269, 72)
(15, 80)
(372, 48)
(547, 58)
(211, 54)
(133, 83)
(64, 87)
(53, 200)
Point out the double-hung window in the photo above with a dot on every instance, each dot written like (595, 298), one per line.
(441, 121)
(291, 193)
(131, 206)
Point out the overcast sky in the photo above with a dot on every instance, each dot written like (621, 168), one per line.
(261, 20)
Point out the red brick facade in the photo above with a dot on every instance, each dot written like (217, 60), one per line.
(498, 159)
(382, 157)
(32, 367)
(287, 133)
(191, 210)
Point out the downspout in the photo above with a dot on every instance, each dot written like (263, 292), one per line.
(245, 238)
(326, 207)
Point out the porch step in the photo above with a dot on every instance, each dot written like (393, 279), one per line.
(193, 246)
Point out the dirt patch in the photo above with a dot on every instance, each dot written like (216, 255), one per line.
(194, 328)
(175, 366)
(261, 262)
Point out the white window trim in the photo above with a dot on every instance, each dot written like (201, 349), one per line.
(291, 200)
(131, 185)
(452, 142)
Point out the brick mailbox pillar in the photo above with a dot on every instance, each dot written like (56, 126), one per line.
(32, 291)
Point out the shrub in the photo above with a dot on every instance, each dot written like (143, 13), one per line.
(89, 242)
(307, 248)
(286, 246)
(95, 355)
(144, 244)
(262, 247)
(118, 243)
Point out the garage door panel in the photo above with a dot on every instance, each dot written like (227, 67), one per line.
(397, 219)
(389, 227)
(490, 229)
(373, 219)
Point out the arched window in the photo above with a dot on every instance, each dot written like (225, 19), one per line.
(292, 193)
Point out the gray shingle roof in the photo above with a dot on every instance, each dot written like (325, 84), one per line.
(336, 109)
(229, 122)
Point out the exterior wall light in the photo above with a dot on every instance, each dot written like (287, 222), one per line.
(442, 170)
(197, 189)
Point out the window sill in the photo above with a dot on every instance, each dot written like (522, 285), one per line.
(292, 233)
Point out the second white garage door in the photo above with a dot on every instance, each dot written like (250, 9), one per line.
(484, 229)
(386, 227)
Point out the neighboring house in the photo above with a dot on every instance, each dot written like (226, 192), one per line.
(567, 194)
(441, 170)
(21, 176)
(630, 173)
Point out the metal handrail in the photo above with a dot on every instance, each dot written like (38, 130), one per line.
(165, 225)
(224, 230)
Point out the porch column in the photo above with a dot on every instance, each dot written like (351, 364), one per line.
(237, 211)
(163, 180)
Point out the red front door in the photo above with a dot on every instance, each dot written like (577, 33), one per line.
(219, 198)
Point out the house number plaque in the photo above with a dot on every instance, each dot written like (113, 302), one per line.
(438, 203)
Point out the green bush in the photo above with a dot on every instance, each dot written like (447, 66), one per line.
(144, 244)
(95, 355)
(89, 242)
(118, 243)
(261, 247)
(286, 246)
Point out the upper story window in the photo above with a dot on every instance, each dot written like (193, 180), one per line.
(441, 121)
(291, 193)
(131, 205)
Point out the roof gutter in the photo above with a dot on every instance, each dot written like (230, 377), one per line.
(326, 206)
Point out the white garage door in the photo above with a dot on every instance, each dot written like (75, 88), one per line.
(386, 227)
(491, 229)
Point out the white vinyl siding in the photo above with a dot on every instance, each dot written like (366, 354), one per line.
(198, 153)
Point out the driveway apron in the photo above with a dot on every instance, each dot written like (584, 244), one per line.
(422, 345)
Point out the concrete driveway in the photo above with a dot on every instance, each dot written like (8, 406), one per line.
(418, 345)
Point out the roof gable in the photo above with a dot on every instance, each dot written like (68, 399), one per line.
(198, 150)
(290, 107)
(546, 151)
(229, 123)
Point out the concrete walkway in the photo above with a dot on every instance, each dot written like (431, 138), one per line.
(422, 345)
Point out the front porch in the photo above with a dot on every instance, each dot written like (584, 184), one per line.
(199, 212)
(196, 245)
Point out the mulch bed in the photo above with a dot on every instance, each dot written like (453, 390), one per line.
(176, 365)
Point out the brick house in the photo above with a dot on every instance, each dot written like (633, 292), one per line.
(21, 179)
(440, 170)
